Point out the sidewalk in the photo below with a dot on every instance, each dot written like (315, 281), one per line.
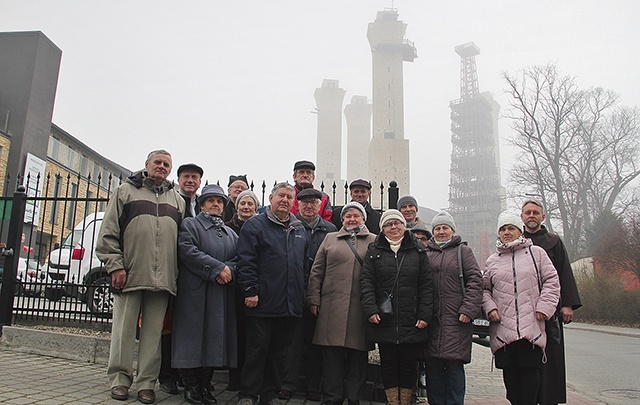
(27, 378)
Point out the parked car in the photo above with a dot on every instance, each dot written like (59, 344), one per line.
(481, 326)
(30, 277)
(75, 270)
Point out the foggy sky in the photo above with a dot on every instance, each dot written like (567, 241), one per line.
(229, 85)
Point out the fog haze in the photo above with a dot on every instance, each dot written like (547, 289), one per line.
(229, 85)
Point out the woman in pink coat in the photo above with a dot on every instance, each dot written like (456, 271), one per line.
(521, 291)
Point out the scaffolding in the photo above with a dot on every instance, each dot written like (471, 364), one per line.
(476, 196)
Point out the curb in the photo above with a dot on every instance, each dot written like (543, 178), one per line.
(87, 349)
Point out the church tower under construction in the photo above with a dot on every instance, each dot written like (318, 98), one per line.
(476, 196)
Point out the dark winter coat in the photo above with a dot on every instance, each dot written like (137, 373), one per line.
(553, 386)
(412, 295)
(450, 339)
(271, 261)
(334, 285)
(316, 235)
(204, 319)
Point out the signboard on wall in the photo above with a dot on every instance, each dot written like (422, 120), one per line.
(33, 167)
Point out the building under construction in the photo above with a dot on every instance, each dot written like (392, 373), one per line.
(476, 195)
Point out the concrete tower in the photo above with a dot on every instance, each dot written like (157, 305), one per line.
(389, 150)
(358, 114)
(329, 99)
(476, 196)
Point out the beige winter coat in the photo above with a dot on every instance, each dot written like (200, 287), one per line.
(334, 285)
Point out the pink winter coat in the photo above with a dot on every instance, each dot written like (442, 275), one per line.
(512, 286)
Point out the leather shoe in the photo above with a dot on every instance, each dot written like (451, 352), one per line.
(314, 396)
(146, 396)
(170, 387)
(285, 394)
(207, 396)
(120, 392)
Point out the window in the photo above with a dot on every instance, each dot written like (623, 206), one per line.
(53, 218)
(71, 207)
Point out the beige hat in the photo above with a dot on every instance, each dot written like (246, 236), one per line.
(392, 214)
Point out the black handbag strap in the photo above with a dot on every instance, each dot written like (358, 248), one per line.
(537, 271)
(460, 271)
(355, 252)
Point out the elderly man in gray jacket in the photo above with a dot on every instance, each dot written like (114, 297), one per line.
(138, 246)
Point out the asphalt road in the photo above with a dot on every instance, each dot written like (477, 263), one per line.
(603, 365)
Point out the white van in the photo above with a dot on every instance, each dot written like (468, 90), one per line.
(75, 270)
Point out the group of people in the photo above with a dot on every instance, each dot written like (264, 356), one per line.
(215, 281)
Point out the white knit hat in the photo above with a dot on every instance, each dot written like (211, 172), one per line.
(509, 218)
(392, 214)
(354, 205)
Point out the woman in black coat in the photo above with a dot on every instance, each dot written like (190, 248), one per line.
(396, 265)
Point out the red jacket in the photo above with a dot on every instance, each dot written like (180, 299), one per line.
(326, 210)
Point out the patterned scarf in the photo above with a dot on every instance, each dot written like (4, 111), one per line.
(511, 245)
(216, 220)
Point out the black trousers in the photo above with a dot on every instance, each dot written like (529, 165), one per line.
(235, 373)
(304, 356)
(167, 373)
(268, 340)
(346, 373)
(399, 364)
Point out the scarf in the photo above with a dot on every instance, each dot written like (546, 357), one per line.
(395, 246)
(216, 220)
(442, 244)
(511, 245)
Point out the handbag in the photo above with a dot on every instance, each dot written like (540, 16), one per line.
(551, 325)
(384, 301)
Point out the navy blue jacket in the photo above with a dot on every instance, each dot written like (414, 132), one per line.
(271, 263)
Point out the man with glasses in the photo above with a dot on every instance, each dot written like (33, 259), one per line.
(237, 184)
(303, 176)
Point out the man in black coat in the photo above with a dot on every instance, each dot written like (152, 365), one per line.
(553, 385)
(309, 201)
(189, 180)
(360, 191)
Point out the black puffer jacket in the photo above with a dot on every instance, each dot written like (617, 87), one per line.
(412, 296)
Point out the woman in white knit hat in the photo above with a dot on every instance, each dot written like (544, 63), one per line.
(521, 291)
(333, 295)
(457, 282)
(396, 275)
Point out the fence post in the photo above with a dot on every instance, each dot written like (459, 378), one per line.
(11, 255)
(393, 195)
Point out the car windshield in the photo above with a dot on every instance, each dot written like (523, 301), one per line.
(73, 239)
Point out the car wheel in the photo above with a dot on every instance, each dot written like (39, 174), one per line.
(99, 298)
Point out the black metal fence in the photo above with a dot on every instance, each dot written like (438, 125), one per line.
(50, 273)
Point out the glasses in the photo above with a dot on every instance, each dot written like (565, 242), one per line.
(390, 224)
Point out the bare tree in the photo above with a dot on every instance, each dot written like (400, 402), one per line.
(576, 148)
